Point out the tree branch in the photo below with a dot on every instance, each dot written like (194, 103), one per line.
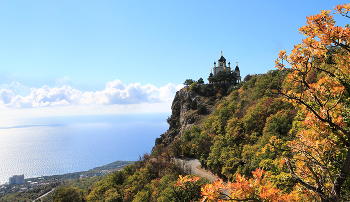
(331, 124)
(344, 173)
(306, 185)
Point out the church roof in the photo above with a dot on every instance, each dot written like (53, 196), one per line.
(222, 59)
(237, 68)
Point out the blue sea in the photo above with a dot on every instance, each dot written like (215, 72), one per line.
(56, 145)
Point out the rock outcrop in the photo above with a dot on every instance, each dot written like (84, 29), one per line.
(185, 113)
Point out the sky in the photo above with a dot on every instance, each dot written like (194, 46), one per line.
(61, 58)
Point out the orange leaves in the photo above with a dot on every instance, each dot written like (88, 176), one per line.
(188, 188)
(258, 188)
(242, 188)
(318, 25)
(323, 27)
(213, 191)
(342, 9)
(281, 57)
(269, 193)
(318, 84)
(323, 92)
(258, 173)
(183, 180)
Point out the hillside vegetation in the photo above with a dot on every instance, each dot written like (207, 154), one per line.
(279, 136)
(231, 137)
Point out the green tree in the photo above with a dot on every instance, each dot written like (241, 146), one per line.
(231, 76)
(188, 82)
(202, 110)
(223, 76)
(70, 194)
(200, 81)
(194, 86)
(211, 78)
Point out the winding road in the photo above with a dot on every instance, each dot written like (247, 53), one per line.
(193, 166)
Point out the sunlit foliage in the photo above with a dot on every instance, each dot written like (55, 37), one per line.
(319, 85)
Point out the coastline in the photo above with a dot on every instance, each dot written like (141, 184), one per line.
(111, 167)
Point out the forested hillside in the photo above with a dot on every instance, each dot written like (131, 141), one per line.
(232, 137)
(235, 137)
(279, 136)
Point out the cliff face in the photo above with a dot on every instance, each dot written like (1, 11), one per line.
(188, 108)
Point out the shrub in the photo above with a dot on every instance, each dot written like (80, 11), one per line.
(193, 105)
(194, 86)
(202, 110)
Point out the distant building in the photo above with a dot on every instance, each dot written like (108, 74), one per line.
(104, 172)
(222, 67)
(23, 189)
(82, 176)
(97, 174)
(16, 179)
(33, 184)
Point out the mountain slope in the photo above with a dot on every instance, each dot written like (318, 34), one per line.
(227, 127)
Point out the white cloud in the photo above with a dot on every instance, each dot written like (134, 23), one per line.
(14, 86)
(167, 92)
(6, 96)
(115, 93)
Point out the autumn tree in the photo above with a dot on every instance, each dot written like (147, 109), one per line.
(317, 157)
(258, 188)
(188, 188)
(318, 83)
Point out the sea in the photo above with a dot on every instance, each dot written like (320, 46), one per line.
(57, 145)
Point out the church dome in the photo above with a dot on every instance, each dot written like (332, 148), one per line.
(222, 59)
(237, 68)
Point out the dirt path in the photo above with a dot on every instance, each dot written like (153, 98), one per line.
(193, 166)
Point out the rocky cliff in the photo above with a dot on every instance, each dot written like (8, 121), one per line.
(190, 107)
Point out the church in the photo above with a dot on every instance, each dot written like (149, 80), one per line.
(222, 67)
